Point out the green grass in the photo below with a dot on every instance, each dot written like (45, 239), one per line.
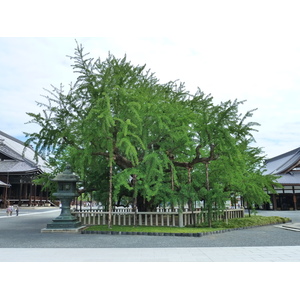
(251, 221)
(233, 223)
(159, 229)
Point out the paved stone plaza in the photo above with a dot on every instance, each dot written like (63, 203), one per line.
(22, 241)
(191, 254)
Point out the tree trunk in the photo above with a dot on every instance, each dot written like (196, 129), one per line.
(110, 194)
(135, 208)
(190, 202)
(209, 204)
(172, 185)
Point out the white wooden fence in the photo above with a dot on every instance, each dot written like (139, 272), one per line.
(159, 218)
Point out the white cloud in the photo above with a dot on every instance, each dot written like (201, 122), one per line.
(231, 49)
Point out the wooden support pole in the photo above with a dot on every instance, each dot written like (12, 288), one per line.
(273, 196)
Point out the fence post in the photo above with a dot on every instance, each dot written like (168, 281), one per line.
(180, 218)
(156, 218)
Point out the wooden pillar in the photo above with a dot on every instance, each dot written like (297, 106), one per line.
(5, 197)
(20, 192)
(34, 197)
(295, 201)
(30, 195)
(274, 202)
(41, 196)
(7, 192)
(25, 194)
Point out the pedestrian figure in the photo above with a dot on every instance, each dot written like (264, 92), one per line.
(17, 210)
(7, 211)
(10, 210)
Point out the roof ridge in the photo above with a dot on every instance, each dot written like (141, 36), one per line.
(289, 162)
(283, 154)
(12, 138)
(19, 151)
(11, 153)
(33, 161)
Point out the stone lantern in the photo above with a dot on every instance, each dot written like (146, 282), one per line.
(66, 191)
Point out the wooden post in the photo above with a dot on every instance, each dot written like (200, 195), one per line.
(180, 219)
(274, 202)
(25, 196)
(5, 192)
(41, 196)
(20, 191)
(34, 199)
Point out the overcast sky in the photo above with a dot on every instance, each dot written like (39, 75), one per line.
(243, 50)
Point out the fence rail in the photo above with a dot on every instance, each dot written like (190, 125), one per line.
(175, 218)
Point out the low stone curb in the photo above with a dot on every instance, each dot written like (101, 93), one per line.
(172, 234)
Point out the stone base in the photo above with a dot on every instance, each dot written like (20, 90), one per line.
(65, 224)
(60, 230)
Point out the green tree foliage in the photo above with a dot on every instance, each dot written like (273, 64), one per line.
(128, 135)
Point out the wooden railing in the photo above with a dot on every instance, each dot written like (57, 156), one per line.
(39, 201)
(175, 218)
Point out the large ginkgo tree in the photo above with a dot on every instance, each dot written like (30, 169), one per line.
(130, 136)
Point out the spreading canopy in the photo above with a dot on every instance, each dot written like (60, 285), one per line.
(154, 136)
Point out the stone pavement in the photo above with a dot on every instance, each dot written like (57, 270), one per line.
(199, 254)
(290, 226)
(22, 241)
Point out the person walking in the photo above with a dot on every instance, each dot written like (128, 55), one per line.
(17, 210)
(10, 210)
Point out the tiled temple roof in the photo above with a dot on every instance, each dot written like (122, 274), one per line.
(16, 158)
(284, 166)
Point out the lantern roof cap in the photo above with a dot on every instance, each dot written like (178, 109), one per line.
(66, 175)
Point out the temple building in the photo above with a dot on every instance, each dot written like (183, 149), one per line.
(18, 168)
(287, 166)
